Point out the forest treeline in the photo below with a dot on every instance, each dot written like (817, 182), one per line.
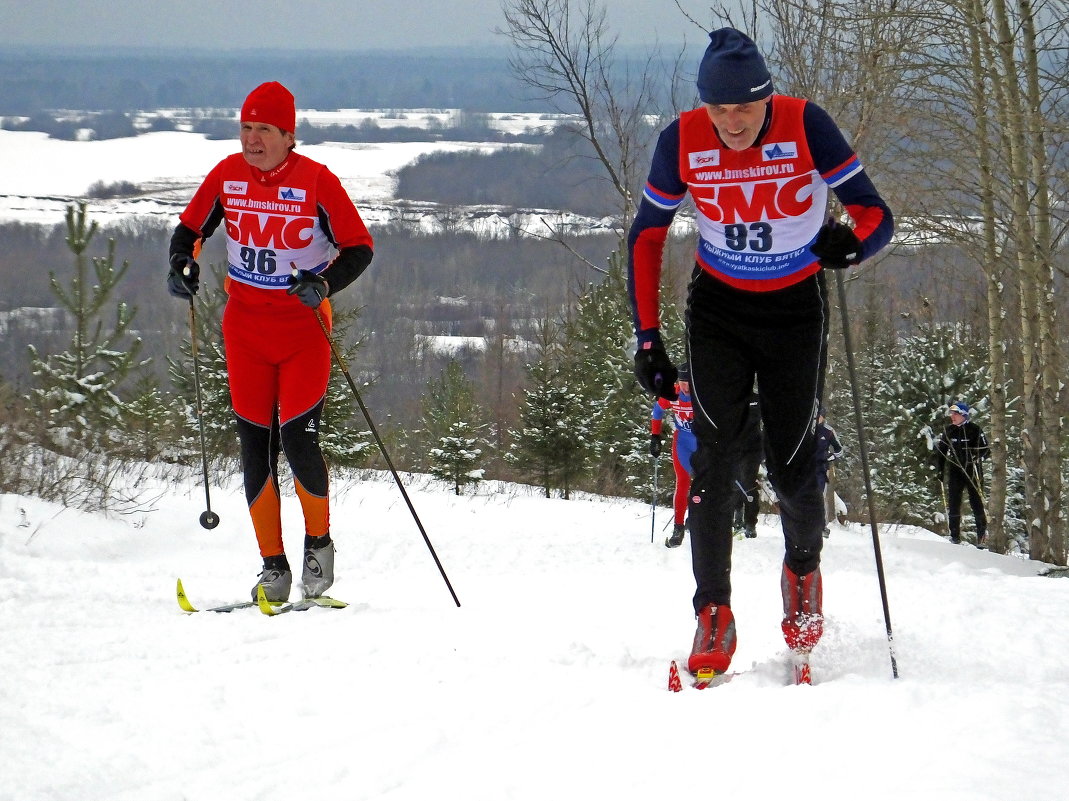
(38, 80)
(516, 332)
(562, 173)
(220, 124)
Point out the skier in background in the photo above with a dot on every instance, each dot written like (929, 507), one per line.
(758, 166)
(828, 450)
(683, 445)
(960, 451)
(282, 212)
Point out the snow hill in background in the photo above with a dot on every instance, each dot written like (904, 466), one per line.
(42, 176)
(549, 682)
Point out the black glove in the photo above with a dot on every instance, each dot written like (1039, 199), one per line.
(655, 445)
(836, 245)
(183, 280)
(656, 373)
(309, 288)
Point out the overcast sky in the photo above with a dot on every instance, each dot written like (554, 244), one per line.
(305, 24)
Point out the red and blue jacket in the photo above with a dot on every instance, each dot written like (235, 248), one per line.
(757, 210)
(682, 413)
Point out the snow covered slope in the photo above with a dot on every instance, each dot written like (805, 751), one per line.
(549, 682)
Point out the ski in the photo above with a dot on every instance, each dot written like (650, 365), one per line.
(271, 609)
(706, 677)
(703, 679)
(267, 607)
(186, 606)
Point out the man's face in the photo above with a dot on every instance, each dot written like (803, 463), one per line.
(739, 123)
(956, 417)
(264, 146)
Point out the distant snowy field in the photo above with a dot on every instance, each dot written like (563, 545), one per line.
(40, 177)
(549, 682)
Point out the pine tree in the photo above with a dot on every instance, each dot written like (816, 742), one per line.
(921, 374)
(76, 393)
(152, 422)
(600, 338)
(452, 422)
(343, 435)
(554, 442)
(456, 457)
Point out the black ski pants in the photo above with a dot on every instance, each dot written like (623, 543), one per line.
(778, 338)
(958, 482)
(748, 499)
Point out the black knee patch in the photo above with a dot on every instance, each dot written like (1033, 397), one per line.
(259, 456)
(300, 442)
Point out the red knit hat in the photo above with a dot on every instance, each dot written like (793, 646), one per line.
(271, 103)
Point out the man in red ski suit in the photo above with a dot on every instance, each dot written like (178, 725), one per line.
(293, 239)
(683, 445)
(758, 167)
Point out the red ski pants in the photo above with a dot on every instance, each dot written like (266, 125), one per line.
(278, 365)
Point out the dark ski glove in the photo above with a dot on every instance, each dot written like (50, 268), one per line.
(310, 289)
(656, 373)
(183, 280)
(655, 445)
(836, 245)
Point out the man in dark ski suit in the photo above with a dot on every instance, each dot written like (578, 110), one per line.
(960, 451)
(758, 166)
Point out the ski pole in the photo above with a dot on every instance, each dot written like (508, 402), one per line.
(946, 505)
(863, 450)
(382, 448)
(653, 502)
(208, 518)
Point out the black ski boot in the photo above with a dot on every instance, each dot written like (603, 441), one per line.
(676, 538)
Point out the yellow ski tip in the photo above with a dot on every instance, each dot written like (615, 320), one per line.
(262, 602)
(183, 601)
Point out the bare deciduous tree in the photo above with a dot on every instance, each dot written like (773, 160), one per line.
(565, 52)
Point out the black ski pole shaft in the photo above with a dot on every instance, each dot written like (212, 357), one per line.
(653, 502)
(863, 450)
(382, 448)
(208, 519)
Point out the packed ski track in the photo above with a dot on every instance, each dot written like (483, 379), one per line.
(550, 680)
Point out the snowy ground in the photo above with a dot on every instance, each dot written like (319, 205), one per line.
(549, 682)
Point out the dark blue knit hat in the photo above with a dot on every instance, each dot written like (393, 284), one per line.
(732, 71)
(961, 407)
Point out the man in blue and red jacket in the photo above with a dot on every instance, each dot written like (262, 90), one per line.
(683, 447)
(758, 167)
